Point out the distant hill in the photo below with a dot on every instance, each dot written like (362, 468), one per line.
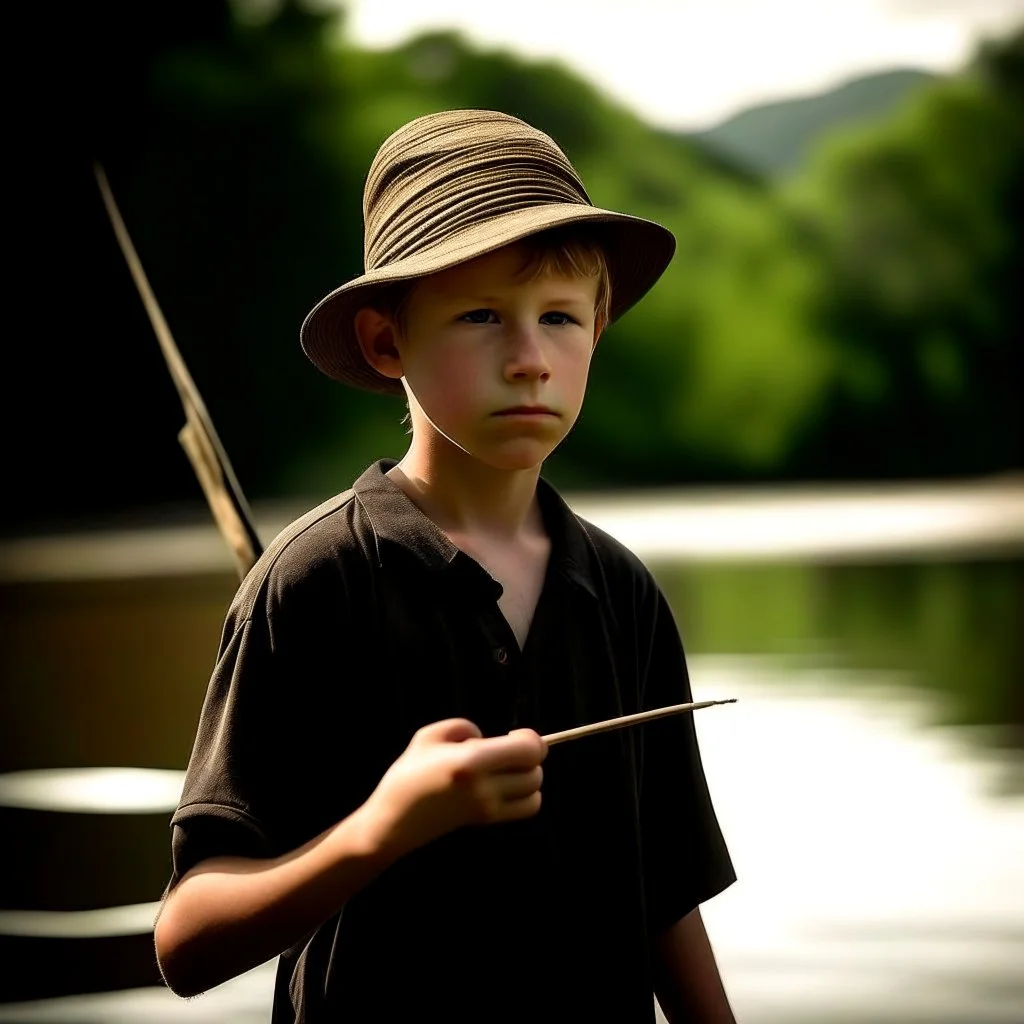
(774, 138)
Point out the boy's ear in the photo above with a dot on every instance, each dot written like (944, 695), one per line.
(375, 333)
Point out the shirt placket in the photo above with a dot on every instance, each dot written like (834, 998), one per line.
(506, 670)
(492, 668)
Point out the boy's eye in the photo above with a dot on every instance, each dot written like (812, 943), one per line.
(477, 316)
(558, 319)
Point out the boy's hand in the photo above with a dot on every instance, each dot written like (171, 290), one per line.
(450, 776)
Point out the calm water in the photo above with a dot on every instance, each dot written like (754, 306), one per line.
(869, 779)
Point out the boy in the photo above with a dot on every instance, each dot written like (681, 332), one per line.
(364, 793)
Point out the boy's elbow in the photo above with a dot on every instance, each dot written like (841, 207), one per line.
(180, 968)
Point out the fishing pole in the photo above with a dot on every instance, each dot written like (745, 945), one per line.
(198, 437)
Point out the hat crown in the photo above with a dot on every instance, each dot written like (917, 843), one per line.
(445, 172)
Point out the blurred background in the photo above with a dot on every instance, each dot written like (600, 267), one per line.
(811, 429)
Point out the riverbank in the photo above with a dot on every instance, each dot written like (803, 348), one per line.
(978, 518)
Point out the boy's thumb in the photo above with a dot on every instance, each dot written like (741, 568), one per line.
(450, 730)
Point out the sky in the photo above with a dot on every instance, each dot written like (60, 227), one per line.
(689, 64)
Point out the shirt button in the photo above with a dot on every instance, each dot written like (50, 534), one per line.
(501, 655)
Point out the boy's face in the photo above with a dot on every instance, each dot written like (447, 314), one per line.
(498, 363)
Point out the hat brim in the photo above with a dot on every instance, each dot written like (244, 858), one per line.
(637, 251)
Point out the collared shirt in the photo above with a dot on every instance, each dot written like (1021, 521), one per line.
(361, 623)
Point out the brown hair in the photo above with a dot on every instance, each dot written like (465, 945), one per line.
(565, 250)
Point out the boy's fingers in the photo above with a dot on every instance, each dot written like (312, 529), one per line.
(516, 785)
(524, 808)
(534, 737)
(517, 751)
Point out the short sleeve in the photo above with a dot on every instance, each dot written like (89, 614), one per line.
(269, 767)
(685, 856)
(225, 807)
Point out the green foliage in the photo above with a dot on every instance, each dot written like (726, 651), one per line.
(920, 221)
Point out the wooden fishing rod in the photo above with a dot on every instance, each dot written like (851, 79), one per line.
(198, 436)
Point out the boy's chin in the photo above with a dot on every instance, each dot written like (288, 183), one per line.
(514, 459)
(507, 454)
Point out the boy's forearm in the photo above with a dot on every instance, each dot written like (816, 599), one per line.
(687, 981)
(230, 914)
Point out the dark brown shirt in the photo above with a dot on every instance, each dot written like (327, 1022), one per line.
(363, 622)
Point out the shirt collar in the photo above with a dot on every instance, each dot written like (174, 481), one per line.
(399, 523)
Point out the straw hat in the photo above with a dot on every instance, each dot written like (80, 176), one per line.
(454, 185)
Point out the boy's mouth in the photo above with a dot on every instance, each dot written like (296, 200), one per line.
(527, 410)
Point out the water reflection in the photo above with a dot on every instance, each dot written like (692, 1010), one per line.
(880, 860)
(98, 790)
(870, 780)
(952, 629)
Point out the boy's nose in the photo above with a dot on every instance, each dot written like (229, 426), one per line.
(526, 358)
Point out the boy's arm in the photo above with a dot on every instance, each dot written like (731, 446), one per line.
(686, 977)
(230, 914)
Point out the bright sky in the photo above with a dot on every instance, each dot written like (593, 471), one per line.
(688, 64)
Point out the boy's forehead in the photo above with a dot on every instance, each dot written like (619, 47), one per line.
(507, 267)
